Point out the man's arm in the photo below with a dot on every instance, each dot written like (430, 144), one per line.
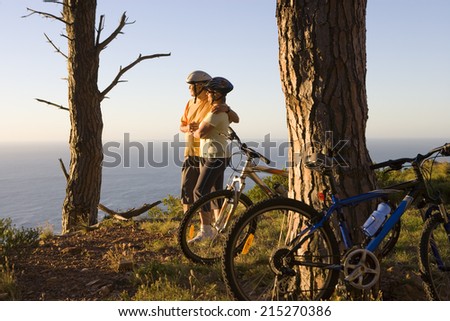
(186, 128)
(224, 108)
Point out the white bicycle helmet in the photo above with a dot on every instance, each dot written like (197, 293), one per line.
(198, 76)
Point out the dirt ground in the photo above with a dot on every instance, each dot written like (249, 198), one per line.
(77, 267)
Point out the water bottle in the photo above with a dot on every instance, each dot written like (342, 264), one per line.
(376, 219)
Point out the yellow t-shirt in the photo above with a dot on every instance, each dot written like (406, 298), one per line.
(215, 144)
(194, 112)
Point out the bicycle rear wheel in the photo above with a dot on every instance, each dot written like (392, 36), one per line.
(208, 251)
(264, 269)
(434, 252)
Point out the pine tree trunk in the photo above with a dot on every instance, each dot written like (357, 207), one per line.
(322, 58)
(85, 175)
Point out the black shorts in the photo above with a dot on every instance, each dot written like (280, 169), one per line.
(189, 176)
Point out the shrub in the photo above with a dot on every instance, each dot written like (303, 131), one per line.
(173, 209)
(13, 238)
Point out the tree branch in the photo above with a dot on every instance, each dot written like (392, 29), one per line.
(122, 71)
(56, 48)
(45, 15)
(51, 104)
(123, 22)
(101, 25)
(63, 168)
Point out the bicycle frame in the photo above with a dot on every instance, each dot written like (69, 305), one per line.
(337, 206)
(250, 170)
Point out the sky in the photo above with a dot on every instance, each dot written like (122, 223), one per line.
(408, 68)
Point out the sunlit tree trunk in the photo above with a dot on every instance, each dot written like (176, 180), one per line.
(86, 154)
(322, 57)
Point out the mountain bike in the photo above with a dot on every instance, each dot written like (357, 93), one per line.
(227, 203)
(294, 254)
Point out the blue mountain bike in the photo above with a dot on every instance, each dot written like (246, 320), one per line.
(294, 255)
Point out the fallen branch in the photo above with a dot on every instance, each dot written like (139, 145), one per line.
(123, 216)
(130, 213)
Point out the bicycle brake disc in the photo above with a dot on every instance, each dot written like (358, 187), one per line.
(361, 269)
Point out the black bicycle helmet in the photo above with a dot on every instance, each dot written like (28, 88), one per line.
(220, 85)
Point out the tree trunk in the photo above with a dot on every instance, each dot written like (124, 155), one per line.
(322, 58)
(85, 173)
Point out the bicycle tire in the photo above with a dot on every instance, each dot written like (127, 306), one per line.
(206, 252)
(254, 271)
(434, 264)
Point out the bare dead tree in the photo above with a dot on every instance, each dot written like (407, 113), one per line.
(84, 98)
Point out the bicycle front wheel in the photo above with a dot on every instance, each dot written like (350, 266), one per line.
(434, 251)
(261, 266)
(208, 251)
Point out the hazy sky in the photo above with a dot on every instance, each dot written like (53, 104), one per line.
(408, 77)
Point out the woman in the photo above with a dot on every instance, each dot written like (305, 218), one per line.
(213, 150)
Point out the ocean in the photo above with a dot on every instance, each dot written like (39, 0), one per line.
(32, 185)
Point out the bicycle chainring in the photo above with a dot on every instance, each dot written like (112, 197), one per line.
(361, 269)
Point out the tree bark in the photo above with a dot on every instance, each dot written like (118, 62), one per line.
(322, 58)
(86, 153)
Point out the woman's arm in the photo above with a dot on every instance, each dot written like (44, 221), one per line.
(203, 130)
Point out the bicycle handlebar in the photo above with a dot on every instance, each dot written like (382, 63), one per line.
(253, 153)
(397, 164)
(247, 150)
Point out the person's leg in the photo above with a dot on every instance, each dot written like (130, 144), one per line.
(218, 185)
(210, 171)
(204, 185)
(189, 176)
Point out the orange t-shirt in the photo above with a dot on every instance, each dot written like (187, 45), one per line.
(194, 112)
